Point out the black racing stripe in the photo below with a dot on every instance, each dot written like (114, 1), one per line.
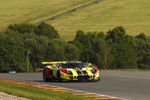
(79, 73)
(85, 73)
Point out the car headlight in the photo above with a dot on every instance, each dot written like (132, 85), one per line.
(94, 70)
(68, 72)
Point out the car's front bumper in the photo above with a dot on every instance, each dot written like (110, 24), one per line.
(81, 78)
(91, 77)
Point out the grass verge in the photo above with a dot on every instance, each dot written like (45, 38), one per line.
(105, 15)
(33, 11)
(36, 93)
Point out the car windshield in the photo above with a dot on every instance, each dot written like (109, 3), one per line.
(73, 65)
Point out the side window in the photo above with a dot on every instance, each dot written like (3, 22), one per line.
(60, 66)
(56, 66)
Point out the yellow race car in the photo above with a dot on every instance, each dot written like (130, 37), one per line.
(70, 70)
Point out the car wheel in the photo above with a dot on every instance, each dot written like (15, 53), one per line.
(59, 77)
(45, 76)
(98, 79)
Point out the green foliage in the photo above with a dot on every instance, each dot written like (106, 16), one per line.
(93, 48)
(141, 36)
(80, 35)
(11, 54)
(42, 29)
(123, 48)
(103, 56)
(46, 30)
(37, 46)
(115, 50)
(71, 52)
(116, 35)
(22, 28)
(55, 51)
(143, 51)
(19, 39)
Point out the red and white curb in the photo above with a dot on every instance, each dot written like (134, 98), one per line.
(64, 90)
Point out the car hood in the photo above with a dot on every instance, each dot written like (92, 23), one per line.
(83, 71)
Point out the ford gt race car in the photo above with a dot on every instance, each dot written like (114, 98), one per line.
(70, 70)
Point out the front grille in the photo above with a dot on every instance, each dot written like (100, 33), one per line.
(85, 73)
(71, 77)
(83, 77)
(79, 72)
(75, 77)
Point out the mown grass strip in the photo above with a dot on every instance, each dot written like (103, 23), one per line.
(33, 11)
(36, 93)
(103, 16)
(66, 12)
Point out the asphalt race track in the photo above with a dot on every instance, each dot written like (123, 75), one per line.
(125, 84)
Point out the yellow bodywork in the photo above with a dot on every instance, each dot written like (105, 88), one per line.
(55, 62)
(74, 76)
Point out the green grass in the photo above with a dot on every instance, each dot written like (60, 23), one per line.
(32, 11)
(132, 14)
(36, 93)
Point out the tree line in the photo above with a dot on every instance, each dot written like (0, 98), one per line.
(111, 50)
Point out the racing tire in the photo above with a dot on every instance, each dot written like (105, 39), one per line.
(59, 77)
(45, 76)
(97, 80)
